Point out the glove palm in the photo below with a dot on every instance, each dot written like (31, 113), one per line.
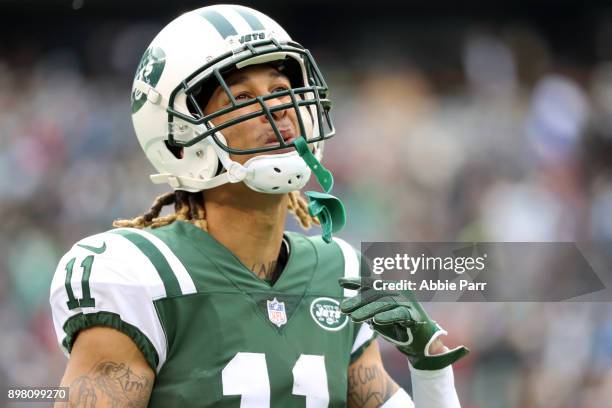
(399, 318)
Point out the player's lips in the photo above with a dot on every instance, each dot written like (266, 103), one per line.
(287, 134)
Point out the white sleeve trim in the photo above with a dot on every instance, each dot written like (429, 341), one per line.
(400, 399)
(351, 263)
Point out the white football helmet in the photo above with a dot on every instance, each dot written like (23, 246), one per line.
(181, 68)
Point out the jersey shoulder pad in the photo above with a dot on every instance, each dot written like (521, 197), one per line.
(112, 279)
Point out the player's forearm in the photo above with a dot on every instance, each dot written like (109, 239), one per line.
(369, 385)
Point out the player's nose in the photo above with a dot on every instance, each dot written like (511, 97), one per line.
(278, 114)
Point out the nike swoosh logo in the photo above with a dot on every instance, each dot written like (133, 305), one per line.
(95, 250)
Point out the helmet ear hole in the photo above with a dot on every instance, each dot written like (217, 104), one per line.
(175, 150)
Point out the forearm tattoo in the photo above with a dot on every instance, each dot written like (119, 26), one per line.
(110, 385)
(368, 386)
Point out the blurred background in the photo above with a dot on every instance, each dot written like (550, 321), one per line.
(472, 122)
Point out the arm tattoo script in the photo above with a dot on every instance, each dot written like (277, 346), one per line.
(368, 386)
(111, 385)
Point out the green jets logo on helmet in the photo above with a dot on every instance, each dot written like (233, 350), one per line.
(326, 313)
(149, 70)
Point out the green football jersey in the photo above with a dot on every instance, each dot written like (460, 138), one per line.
(215, 333)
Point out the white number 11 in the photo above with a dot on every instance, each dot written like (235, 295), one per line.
(247, 375)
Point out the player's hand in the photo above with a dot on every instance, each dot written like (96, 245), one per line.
(399, 318)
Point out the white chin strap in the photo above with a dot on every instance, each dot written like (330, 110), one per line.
(272, 174)
(276, 173)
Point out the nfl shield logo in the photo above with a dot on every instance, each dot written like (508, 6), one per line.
(276, 312)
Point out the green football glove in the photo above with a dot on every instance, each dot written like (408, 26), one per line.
(399, 318)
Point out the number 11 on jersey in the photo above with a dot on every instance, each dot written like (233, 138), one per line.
(247, 375)
(86, 300)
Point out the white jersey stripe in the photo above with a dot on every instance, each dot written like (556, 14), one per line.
(180, 272)
(351, 263)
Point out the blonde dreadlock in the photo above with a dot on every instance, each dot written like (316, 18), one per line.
(190, 207)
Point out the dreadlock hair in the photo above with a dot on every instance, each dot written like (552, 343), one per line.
(190, 207)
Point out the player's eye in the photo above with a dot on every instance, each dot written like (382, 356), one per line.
(280, 88)
(242, 96)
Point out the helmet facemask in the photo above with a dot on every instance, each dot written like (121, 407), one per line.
(308, 95)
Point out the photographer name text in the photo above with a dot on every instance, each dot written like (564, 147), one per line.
(429, 285)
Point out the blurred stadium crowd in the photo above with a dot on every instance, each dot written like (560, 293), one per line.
(496, 136)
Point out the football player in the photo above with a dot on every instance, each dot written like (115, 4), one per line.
(214, 304)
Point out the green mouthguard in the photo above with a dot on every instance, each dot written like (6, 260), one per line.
(328, 208)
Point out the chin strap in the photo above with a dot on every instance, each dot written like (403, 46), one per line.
(328, 208)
